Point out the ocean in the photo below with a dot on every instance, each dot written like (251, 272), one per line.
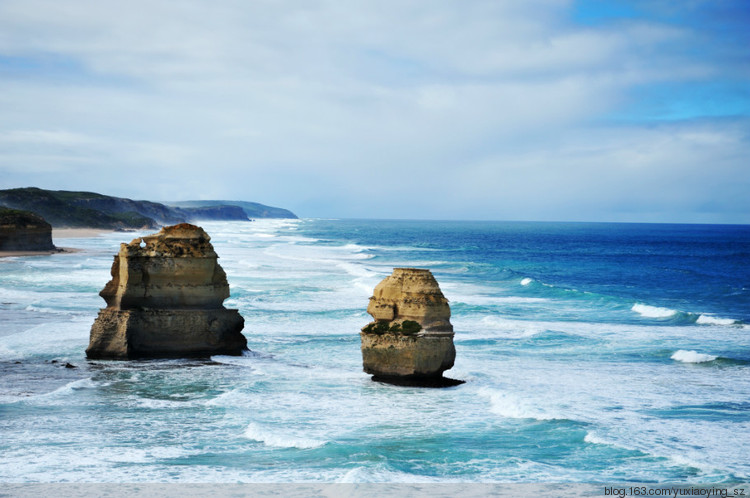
(591, 352)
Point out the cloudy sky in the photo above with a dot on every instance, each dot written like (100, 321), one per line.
(472, 109)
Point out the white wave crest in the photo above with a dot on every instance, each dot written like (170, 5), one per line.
(715, 320)
(652, 311)
(526, 281)
(270, 438)
(158, 404)
(72, 387)
(356, 270)
(482, 300)
(513, 329)
(593, 438)
(507, 405)
(692, 357)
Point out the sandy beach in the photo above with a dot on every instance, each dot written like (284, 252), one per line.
(71, 233)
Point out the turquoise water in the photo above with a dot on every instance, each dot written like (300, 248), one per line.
(591, 353)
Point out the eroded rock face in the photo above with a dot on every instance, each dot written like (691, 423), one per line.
(165, 299)
(411, 337)
(24, 231)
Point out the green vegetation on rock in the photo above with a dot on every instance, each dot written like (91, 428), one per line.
(407, 327)
(410, 327)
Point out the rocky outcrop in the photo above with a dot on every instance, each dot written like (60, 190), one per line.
(411, 339)
(24, 231)
(165, 300)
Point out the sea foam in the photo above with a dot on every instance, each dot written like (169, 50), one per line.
(692, 357)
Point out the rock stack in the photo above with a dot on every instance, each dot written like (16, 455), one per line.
(24, 231)
(411, 340)
(165, 300)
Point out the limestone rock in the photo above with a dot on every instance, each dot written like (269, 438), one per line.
(411, 337)
(24, 231)
(165, 299)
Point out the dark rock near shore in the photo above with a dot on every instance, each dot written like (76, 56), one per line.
(24, 231)
(165, 300)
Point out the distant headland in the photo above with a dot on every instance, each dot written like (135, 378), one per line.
(66, 209)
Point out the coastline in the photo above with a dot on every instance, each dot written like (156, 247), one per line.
(59, 250)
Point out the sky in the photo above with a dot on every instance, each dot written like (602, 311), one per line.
(553, 110)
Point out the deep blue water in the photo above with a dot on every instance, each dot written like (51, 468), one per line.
(592, 352)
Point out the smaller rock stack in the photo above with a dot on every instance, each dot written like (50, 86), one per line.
(24, 231)
(411, 340)
(165, 300)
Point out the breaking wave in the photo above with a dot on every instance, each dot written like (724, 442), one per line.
(715, 320)
(648, 311)
(653, 311)
(692, 357)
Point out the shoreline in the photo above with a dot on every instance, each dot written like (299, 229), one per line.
(75, 233)
(59, 250)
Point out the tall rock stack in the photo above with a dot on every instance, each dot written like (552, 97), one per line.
(165, 300)
(411, 339)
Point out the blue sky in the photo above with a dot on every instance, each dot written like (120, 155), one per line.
(534, 110)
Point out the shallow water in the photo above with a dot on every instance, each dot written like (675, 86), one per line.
(592, 353)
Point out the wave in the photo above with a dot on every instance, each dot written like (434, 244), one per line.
(234, 398)
(692, 357)
(687, 317)
(71, 388)
(270, 438)
(593, 438)
(715, 320)
(158, 404)
(507, 405)
(44, 309)
(653, 311)
(512, 328)
(526, 281)
(484, 300)
(357, 270)
(381, 473)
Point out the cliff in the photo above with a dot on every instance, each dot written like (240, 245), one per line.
(165, 300)
(24, 231)
(251, 209)
(411, 338)
(62, 208)
(73, 209)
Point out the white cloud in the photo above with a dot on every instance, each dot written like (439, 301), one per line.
(440, 107)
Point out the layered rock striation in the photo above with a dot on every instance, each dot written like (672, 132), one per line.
(165, 299)
(24, 231)
(411, 339)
